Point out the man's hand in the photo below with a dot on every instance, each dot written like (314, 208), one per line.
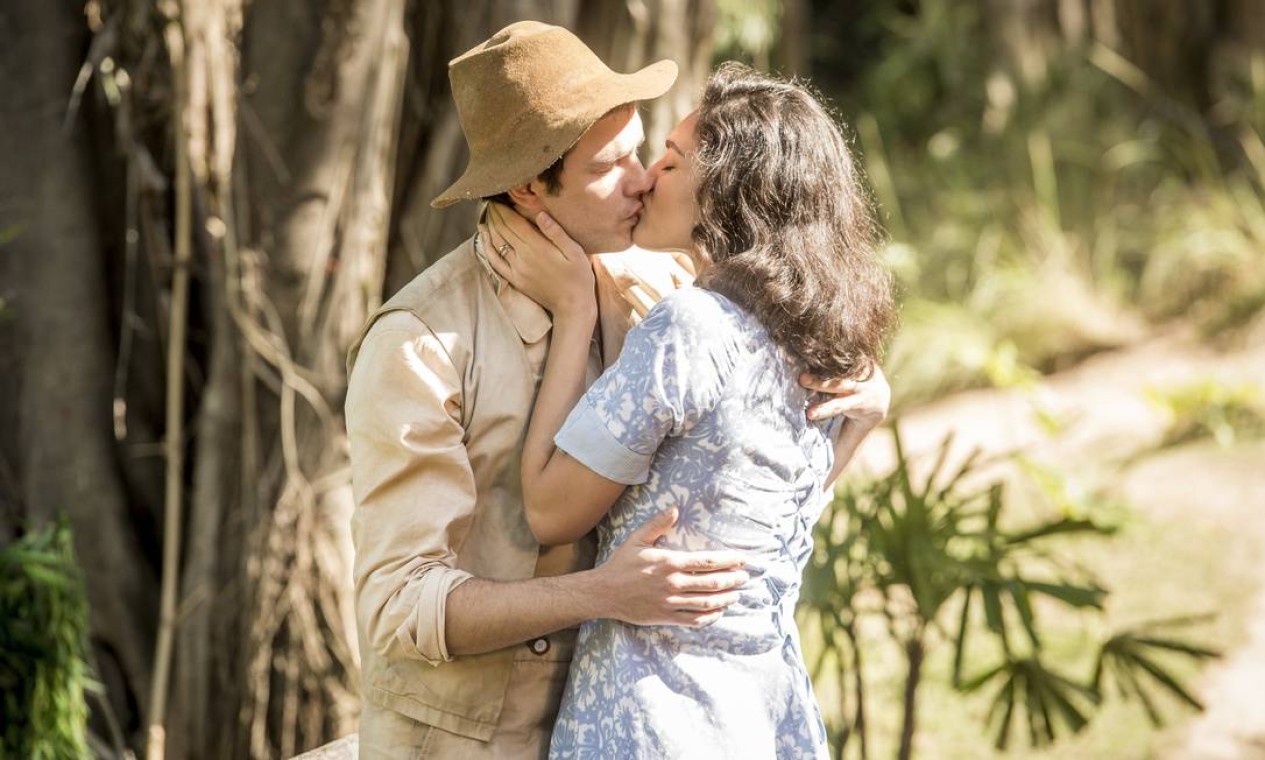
(647, 585)
(864, 402)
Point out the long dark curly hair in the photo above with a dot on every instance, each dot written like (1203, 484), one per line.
(787, 224)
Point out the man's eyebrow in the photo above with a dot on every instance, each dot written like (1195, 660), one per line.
(673, 146)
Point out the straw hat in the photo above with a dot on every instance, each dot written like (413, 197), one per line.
(526, 96)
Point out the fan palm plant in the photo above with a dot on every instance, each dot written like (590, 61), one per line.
(937, 554)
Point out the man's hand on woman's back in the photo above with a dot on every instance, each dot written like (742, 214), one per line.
(646, 584)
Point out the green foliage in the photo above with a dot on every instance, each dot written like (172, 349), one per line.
(1057, 210)
(1129, 658)
(746, 30)
(937, 556)
(1208, 408)
(43, 641)
(1048, 698)
(929, 65)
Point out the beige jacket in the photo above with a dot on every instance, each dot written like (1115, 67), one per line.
(441, 384)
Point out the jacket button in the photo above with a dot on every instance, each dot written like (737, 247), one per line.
(539, 646)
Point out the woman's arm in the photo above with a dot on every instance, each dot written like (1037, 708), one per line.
(563, 499)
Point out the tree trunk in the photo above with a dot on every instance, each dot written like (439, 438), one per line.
(1171, 41)
(631, 35)
(206, 681)
(914, 654)
(316, 177)
(316, 132)
(794, 50)
(859, 725)
(433, 151)
(1244, 22)
(1026, 35)
(63, 457)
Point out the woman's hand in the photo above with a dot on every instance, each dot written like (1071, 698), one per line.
(550, 268)
(862, 402)
(863, 405)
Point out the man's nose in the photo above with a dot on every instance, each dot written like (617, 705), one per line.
(638, 179)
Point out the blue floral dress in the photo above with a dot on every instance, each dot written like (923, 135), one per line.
(702, 412)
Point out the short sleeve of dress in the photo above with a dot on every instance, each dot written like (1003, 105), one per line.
(671, 372)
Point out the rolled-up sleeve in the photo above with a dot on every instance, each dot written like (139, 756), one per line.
(670, 373)
(586, 437)
(413, 485)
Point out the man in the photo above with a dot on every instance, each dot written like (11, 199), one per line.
(466, 624)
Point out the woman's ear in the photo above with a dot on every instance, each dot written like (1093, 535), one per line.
(527, 198)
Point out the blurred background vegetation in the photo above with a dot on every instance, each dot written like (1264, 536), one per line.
(201, 200)
(1056, 177)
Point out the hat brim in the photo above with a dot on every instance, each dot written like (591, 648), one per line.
(494, 175)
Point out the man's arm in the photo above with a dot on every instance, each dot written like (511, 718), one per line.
(639, 584)
(415, 496)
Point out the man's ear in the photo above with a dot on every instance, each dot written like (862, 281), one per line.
(527, 198)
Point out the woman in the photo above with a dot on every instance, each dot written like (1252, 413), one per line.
(703, 413)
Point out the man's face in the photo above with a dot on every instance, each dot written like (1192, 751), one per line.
(602, 179)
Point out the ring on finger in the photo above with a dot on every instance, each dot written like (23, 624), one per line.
(504, 249)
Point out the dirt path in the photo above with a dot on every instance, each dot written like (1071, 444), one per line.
(1204, 485)
(1101, 403)
(1111, 433)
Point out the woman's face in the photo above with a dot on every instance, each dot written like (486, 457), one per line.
(669, 207)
